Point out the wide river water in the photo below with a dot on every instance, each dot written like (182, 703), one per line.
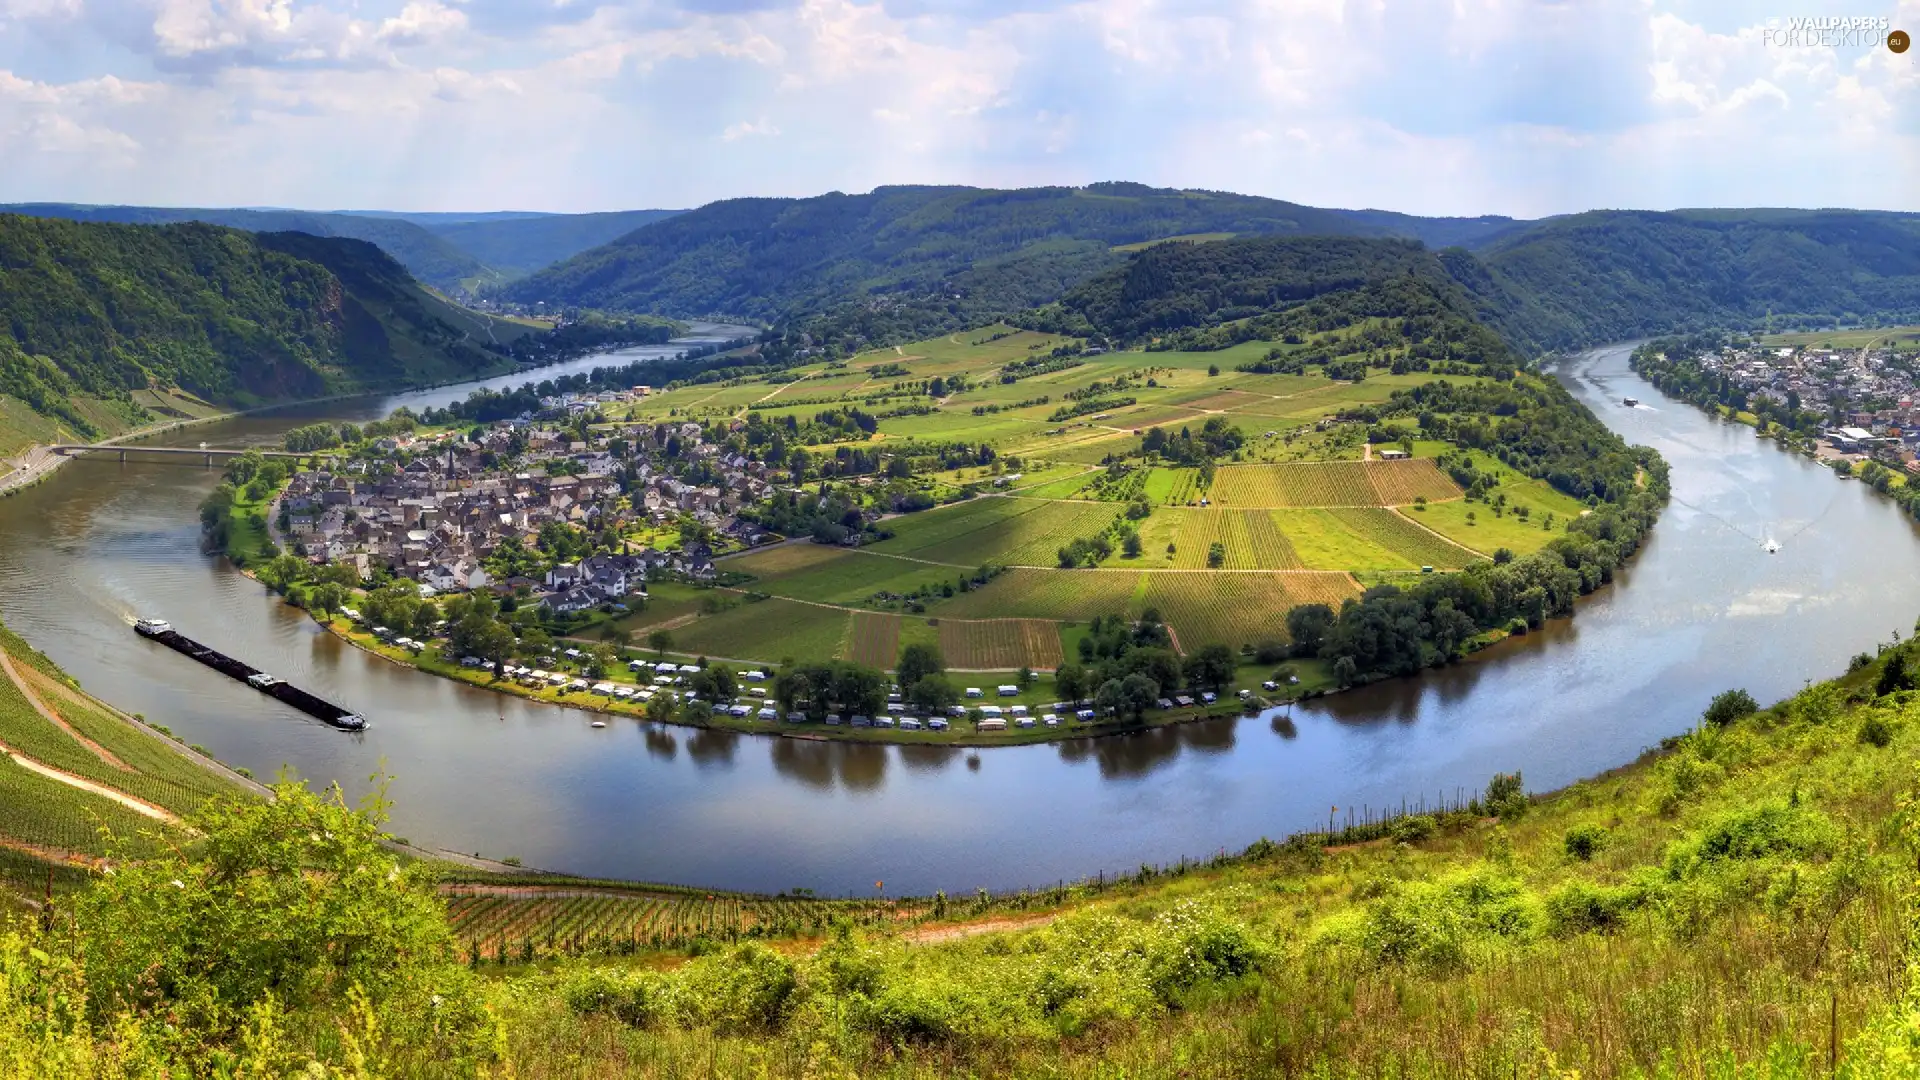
(1702, 608)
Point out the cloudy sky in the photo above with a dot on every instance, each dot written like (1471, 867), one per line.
(1520, 107)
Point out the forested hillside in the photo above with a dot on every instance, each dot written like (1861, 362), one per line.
(907, 262)
(103, 313)
(949, 250)
(1610, 275)
(430, 258)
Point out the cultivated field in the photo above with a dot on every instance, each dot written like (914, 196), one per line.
(1001, 644)
(874, 640)
(769, 630)
(1326, 483)
(1238, 608)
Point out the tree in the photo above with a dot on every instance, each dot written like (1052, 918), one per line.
(917, 661)
(715, 682)
(1024, 677)
(934, 694)
(282, 571)
(660, 708)
(1111, 698)
(1155, 663)
(1216, 555)
(494, 641)
(1138, 693)
(600, 660)
(660, 641)
(1308, 625)
(1211, 667)
(1071, 681)
(1130, 545)
(282, 906)
(1728, 706)
(326, 598)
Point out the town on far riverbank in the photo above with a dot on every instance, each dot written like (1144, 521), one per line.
(1847, 398)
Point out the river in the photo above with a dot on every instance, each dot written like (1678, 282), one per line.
(1702, 608)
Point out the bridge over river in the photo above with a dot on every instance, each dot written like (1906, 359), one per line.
(183, 455)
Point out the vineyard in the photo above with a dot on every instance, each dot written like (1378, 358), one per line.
(1001, 644)
(875, 640)
(1249, 538)
(1239, 608)
(175, 783)
(845, 576)
(785, 560)
(47, 814)
(1319, 483)
(1405, 538)
(1047, 594)
(1031, 537)
(769, 630)
(916, 534)
(1173, 487)
(1400, 482)
(523, 923)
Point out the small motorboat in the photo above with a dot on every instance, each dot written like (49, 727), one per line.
(1631, 403)
(599, 723)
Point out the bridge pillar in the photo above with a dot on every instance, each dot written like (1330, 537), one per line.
(209, 461)
(123, 457)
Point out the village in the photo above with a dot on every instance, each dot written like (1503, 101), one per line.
(540, 507)
(1867, 395)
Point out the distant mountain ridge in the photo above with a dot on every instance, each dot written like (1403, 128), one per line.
(963, 251)
(428, 257)
(452, 252)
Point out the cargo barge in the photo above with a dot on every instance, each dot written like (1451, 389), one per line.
(285, 692)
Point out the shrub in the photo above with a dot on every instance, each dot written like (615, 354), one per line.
(1730, 705)
(1506, 796)
(747, 988)
(1413, 828)
(1759, 832)
(1582, 842)
(1875, 731)
(1580, 907)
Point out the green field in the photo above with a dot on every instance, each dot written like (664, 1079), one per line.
(1286, 519)
(768, 630)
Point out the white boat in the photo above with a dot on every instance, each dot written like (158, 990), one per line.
(152, 627)
(599, 723)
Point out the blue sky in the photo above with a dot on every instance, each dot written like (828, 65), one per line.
(1435, 107)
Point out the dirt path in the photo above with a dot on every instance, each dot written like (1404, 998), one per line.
(51, 717)
(934, 935)
(1443, 536)
(49, 854)
(138, 806)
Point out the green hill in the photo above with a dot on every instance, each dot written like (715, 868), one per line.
(99, 319)
(433, 259)
(1609, 275)
(907, 262)
(958, 250)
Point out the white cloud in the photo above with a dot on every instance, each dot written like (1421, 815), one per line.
(746, 130)
(1437, 106)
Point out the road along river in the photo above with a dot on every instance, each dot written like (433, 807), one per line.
(1702, 608)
